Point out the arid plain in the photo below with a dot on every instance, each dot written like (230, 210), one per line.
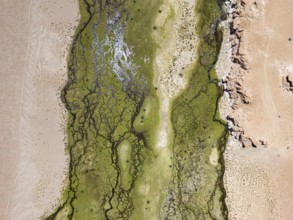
(258, 104)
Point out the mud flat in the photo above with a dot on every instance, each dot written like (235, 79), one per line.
(33, 60)
(258, 104)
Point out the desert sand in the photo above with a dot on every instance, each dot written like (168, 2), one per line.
(258, 104)
(35, 37)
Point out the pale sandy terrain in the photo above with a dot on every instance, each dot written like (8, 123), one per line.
(13, 47)
(175, 57)
(259, 106)
(34, 39)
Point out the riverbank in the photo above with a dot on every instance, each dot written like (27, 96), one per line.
(34, 162)
(258, 105)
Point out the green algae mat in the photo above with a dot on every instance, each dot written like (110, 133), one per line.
(115, 170)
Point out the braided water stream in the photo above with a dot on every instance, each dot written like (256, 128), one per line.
(115, 169)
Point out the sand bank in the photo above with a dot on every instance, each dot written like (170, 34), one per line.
(258, 105)
(175, 57)
(34, 48)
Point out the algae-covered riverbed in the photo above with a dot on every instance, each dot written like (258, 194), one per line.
(116, 170)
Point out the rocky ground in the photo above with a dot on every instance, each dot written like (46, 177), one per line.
(256, 67)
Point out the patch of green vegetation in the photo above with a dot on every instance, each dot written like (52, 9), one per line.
(147, 118)
(115, 170)
(196, 190)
